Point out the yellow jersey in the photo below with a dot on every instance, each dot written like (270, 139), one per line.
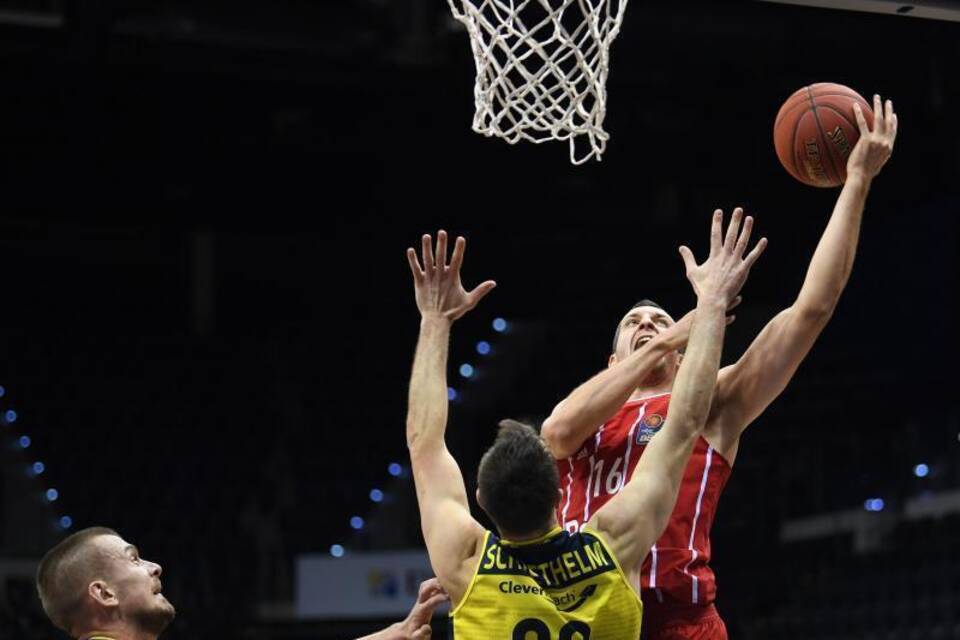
(562, 586)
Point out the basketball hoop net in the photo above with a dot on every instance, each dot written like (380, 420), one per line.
(542, 69)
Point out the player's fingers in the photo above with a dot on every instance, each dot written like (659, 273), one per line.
(736, 303)
(744, 239)
(429, 588)
(688, 260)
(753, 255)
(427, 253)
(892, 129)
(424, 591)
(441, 258)
(730, 320)
(459, 246)
(414, 265)
(423, 633)
(480, 291)
(878, 123)
(861, 119)
(731, 240)
(435, 601)
(716, 229)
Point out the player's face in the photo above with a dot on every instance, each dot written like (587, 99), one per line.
(638, 327)
(136, 583)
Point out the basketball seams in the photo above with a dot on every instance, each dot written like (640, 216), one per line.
(786, 111)
(792, 152)
(843, 117)
(842, 95)
(823, 136)
(852, 123)
(783, 114)
(799, 175)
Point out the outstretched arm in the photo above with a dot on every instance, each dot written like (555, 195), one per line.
(747, 387)
(417, 624)
(635, 518)
(451, 534)
(591, 404)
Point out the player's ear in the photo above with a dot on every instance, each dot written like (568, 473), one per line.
(103, 594)
(480, 499)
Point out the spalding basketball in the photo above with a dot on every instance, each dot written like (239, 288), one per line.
(815, 130)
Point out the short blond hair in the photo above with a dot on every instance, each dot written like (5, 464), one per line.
(64, 573)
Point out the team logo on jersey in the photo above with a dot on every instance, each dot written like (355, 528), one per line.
(583, 453)
(648, 427)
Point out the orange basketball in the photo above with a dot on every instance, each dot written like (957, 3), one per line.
(815, 130)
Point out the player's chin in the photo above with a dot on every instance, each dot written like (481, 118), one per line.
(166, 606)
(157, 615)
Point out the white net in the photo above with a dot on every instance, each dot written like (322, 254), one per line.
(542, 69)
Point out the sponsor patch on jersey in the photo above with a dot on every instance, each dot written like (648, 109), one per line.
(564, 603)
(583, 453)
(648, 427)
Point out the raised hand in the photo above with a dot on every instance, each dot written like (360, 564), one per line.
(725, 271)
(417, 624)
(873, 149)
(437, 284)
(677, 334)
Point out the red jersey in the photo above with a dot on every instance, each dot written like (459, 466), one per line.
(677, 569)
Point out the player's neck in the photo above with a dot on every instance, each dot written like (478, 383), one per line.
(658, 381)
(117, 633)
(650, 390)
(535, 535)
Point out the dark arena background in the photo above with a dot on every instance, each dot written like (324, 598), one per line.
(207, 321)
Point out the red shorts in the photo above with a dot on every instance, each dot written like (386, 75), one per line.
(682, 622)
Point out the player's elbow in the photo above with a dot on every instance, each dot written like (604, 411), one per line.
(814, 313)
(558, 437)
(420, 449)
(689, 427)
(416, 440)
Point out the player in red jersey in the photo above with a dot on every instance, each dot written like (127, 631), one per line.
(600, 430)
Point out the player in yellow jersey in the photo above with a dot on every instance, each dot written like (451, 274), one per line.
(95, 586)
(532, 580)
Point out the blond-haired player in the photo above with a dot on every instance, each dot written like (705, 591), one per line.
(94, 585)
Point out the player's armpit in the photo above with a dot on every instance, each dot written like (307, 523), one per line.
(634, 518)
(747, 387)
(631, 531)
(452, 536)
